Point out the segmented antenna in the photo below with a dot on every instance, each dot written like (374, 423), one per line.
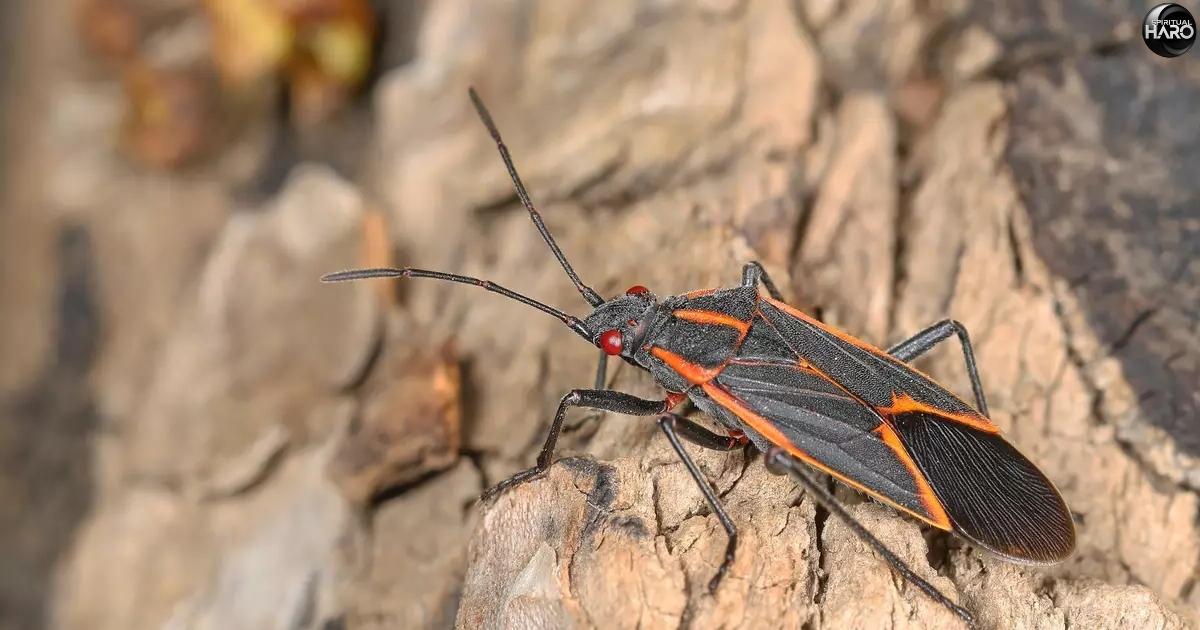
(587, 292)
(408, 272)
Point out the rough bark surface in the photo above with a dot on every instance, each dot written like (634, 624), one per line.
(198, 435)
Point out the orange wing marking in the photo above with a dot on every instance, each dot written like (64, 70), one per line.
(844, 336)
(936, 517)
(711, 318)
(903, 403)
(888, 435)
(900, 402)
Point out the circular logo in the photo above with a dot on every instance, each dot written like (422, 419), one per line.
(1169, 30)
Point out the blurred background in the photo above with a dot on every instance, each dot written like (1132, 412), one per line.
(195, 433)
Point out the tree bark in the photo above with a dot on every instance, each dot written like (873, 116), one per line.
(890, 165)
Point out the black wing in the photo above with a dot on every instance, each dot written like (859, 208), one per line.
(995, 497)
(824, 427)
(894, 432)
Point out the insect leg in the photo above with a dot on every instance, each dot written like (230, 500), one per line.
(778, 460)
(923, 341)
(701, 436)
(601, 371)
(668, 423)
(605, 400)
(753, 273)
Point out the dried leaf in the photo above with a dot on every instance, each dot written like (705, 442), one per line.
(322, 48)
(332, 55)
(169, 115)
(251, 39)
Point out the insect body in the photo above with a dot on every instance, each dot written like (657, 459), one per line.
(800, 390)
(856, 412)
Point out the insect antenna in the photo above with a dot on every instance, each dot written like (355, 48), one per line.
(587, 292)
(408, 272)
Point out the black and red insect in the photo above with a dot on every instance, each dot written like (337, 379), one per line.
(802, 391)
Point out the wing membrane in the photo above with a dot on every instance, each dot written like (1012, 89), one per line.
(995, 497)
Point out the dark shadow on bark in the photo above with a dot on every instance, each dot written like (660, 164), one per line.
(45, 449)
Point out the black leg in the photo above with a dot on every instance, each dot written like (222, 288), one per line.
(753, 273)
(668, 424)
(606, 400)
(601, 371)
(779, 461)
(923, 341)
(701, 436)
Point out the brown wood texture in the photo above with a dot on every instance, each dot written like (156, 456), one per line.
(197, 434)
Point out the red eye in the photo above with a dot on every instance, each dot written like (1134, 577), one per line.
(637, 289)
(610, 342)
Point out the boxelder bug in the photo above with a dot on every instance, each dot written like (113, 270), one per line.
(800, 390)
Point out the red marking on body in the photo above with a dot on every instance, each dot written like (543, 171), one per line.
(768, 430)
(699, 293)
(673, 399)
(712, 318)
(637, 289)
(694, 374)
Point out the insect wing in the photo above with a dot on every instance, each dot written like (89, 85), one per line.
(992, 494)
(820, 424)
(995, 497)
